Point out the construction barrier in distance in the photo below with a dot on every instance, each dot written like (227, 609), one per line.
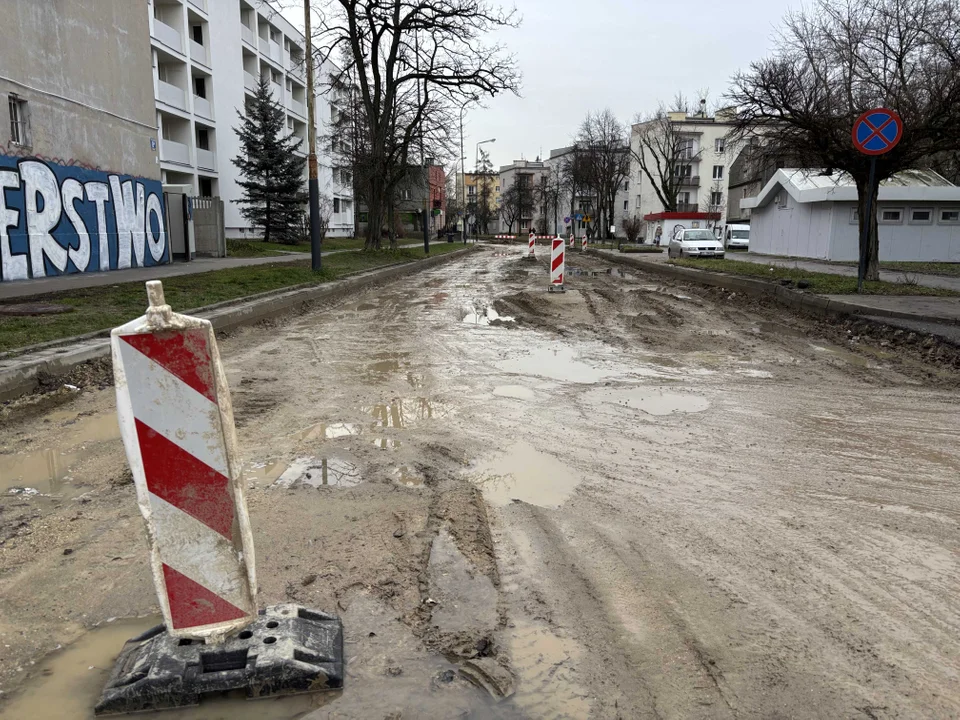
(557, 262)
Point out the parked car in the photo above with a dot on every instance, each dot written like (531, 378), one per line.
(737, 236)
(695, 243)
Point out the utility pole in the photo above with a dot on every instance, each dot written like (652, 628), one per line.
(315, 247)
(423, 156)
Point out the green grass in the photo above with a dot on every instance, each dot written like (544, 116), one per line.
(258, 248)
(642, 249)
(820, 283)
(919, 268)
(102, 308)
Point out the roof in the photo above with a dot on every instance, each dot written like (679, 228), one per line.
(654, 217)
(812, 185)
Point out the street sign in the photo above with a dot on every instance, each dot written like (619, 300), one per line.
(579, 217)
(588, 219)
(566, 220)
(877, 131)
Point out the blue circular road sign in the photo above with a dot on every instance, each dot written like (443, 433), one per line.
(877, 131)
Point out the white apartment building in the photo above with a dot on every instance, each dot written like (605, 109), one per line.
(586, 203)
(206, 72)
(704, 173)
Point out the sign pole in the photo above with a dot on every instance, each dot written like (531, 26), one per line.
(867, 224)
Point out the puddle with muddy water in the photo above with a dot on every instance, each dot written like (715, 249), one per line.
(400, 413)
(48, 470)
(544, 663)
(651, 401)
(67, 684)
(484, 317)
(524, 473)
(560, 362)
(332, 471)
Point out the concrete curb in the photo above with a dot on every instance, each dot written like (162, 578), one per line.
(19, 374)
(808, 302)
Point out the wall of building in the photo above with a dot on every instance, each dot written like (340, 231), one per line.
(80, 183)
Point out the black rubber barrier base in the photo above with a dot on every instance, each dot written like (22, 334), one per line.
(287, 650)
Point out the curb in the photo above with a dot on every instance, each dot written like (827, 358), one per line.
(808, 302)
(19, 374)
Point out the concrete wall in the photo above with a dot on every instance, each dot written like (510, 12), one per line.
(829, 231)
(84, 68)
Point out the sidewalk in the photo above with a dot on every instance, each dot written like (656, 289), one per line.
(40, 286)
(933, 281)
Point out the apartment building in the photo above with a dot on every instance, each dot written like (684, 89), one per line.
(586, 202)
(208, 58)
(703, 170)
(529, 173)
(79, 181)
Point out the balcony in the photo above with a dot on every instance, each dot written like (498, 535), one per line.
(198, 53)
(687, 208)
(171, 95)
(277, 93)
(297, 108)
(167, 35)
(171, 151)
(206, 159)
(264, 45)
(276, 53)
(690, 181)
(295, 66)
(199, 4)
(248, 35)
(202, 107)
(250, 81)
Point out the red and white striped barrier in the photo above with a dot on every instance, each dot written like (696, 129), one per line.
(505, 237)
(557, 261)
(573, 241)
(583, 244)
(176, 421)
(533, 246)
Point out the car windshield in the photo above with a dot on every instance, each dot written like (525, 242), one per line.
(741, 235)
(698, 235)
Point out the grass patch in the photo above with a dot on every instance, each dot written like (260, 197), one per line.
(820, 283)
(919, 268)
(258, 248)
(648, 249)
(102, 308)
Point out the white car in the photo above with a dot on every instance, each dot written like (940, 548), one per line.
(695, 243)
(738, 236)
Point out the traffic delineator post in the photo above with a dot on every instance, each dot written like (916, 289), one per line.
(583, 244)
(557, 264)
(176, 421)
(532, 251)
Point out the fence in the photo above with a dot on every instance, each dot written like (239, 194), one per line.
(208, 227)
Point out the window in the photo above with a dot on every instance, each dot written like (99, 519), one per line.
(716, 198)
(206, 187)
(497, 189)
(203, 138)
(626, 204)
(854, 216)
(685, 149)
(950, 216)
(782, 199)
(345, 178)
(336, 206)
(718, 172)
(683, 198)
(626, 186)
(891, 216)
(19, 121)
(198, 34)
(720, 145)
(684, 171)
(275, 77)
(921, 216)
(200, 87)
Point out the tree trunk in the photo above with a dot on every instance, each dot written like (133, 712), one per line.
(374, 215)
(872, 273)
(266, 223)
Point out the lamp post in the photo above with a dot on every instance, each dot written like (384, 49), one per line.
(476, 168)
(463, 166)
(314, 183)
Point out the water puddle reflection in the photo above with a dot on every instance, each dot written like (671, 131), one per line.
(400, 413)
(545, 666)
(525, 474)
(385, 443)
(332, 471)
(568, 364)
(331, 431)
(408, 477)
(48, 470)
(486, 316)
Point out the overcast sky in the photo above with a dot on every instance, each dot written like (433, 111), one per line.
(628, 55)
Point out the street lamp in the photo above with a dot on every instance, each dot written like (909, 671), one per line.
(476, 168)
(463, 165)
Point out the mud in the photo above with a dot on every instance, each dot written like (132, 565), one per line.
(635, 499)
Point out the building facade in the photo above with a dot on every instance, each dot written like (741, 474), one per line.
(411, 195)
(530, 174)
(703, 166)
(79, 176)
(208, 57)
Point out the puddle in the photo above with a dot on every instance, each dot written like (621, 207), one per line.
(518, 392)
(385, 443)
(266, 472)
(649, 400)
(466, 598)
(323, 431)
(547, 681)
(405, 413)
(524, 473)
(333, 471)
(570, 365)
(485, 317)
(848, 356)
(408, 477)
(616, 272)
(388, 363)
(67, 685)
(762, 374)
(48, 470)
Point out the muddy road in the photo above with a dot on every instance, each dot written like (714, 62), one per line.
(638, 499)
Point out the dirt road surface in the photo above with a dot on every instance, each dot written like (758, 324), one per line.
(637, 499)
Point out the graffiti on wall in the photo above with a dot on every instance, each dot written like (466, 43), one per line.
(57, 219)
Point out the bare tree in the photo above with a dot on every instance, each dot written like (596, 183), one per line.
(603, 146)
(482, 208)
(548, 194)
(839, 59)
(665, 152)
(407, 59)
(632, 227)
(513, 202)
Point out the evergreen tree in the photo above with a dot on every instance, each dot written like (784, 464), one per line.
(272, 173)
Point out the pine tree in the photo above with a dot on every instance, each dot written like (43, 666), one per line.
(272, 173)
